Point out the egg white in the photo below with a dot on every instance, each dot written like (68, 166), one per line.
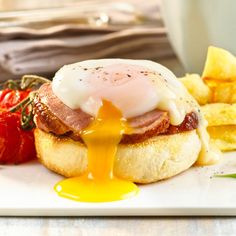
(81, 85)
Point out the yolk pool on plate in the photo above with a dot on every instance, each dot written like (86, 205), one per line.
(99, 184)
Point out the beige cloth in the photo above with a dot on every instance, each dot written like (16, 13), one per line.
(43, 51)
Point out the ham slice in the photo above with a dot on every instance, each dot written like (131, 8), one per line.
(75, 119)
(51, 115)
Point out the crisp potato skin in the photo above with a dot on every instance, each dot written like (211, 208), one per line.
(155, 159)
(197, 88)
(223, 136)
(220, 65)
(218, 114)
(225, 93)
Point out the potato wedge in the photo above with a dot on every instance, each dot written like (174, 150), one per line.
(219, 114)
(197, 88)
(223, 145)
(225, 92)
(220, 66)
(224, 137)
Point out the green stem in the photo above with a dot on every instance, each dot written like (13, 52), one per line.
(11, 84)
(30, 81)
(26, 105)
(20, 105)
(26, 82)
(233, 175)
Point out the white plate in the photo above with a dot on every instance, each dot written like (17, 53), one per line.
(28, 190)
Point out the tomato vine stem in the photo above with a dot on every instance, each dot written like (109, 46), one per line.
(26, 105)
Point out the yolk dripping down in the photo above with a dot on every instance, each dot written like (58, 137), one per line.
(98, 184)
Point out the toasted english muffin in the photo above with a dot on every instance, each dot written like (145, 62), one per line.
(157, 158)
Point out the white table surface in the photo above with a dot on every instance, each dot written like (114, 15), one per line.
(116, 226)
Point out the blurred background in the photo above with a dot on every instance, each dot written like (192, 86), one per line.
(38, 37)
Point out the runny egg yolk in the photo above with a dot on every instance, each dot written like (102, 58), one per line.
(99, 184)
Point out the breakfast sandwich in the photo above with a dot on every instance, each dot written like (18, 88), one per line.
(132, 118)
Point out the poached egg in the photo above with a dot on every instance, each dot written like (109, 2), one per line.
(133, 86)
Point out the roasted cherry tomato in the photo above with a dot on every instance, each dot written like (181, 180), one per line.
(16, 144)
(9, 97)
(16, 119)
